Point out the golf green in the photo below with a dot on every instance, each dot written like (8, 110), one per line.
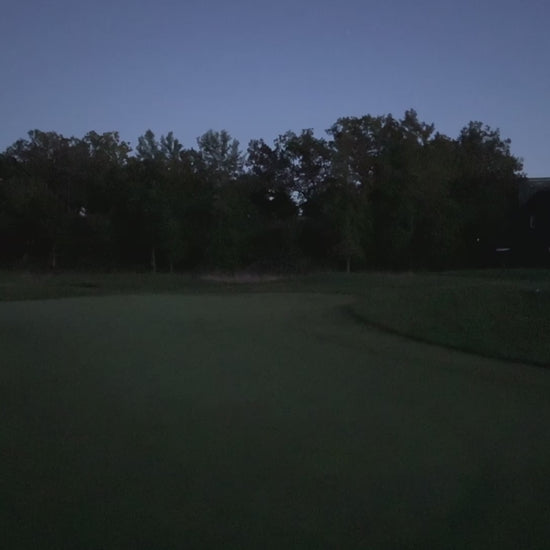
(260, 421)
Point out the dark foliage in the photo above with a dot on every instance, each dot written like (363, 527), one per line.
(378, 192)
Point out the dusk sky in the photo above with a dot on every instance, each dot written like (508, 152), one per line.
(258, 68)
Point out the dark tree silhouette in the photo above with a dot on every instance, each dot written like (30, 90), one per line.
(377, 192)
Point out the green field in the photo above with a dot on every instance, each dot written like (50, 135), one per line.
(169, 412)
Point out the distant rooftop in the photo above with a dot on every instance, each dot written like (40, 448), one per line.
(531, 186)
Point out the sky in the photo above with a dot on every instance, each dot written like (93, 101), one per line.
(259, 68)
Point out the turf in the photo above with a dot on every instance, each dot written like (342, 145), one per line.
(495, 313)
(261, 420)
(507, 317)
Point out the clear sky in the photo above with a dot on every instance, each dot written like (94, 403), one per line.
(258, 68)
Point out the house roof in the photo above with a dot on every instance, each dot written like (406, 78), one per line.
(532, 186)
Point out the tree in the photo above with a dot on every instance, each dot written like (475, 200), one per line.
(170, 149)
(305, 162)
(151, 209)
(220, 155)
(148, 148)
(486, 190)
(53, 175)
(105, 175)
(270, 188)
(380, 191)
(436, 239)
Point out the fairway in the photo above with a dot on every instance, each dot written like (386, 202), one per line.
(260, 420)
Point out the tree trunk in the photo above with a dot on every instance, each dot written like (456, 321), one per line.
(53, 257)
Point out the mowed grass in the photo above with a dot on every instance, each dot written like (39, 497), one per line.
(265, 418)
(495, 313)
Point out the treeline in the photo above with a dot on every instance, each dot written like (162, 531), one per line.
(376, 192)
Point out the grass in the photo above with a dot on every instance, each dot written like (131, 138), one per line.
(506, 317)
(190, 414)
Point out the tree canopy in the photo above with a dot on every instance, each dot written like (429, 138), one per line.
(374, 192)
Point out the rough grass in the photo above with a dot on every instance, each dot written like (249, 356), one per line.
(503, 317)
